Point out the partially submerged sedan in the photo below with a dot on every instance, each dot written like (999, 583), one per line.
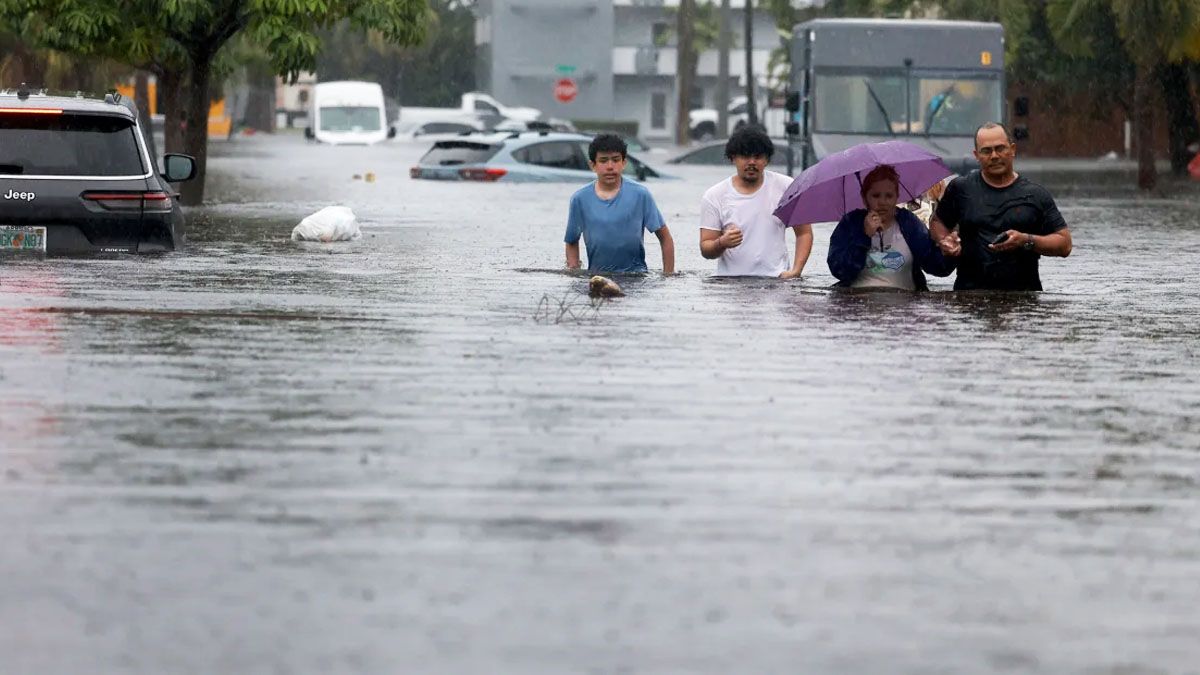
(75, 177)
(540, 156)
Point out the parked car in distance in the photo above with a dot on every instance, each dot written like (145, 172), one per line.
(542, 156)
(433, 131)
(348, 113)
(473, 105)
(634, 143)
(713, 153)
(76, 177)
(551, 124)
(702, 122)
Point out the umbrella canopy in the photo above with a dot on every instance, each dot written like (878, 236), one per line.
(829, 189)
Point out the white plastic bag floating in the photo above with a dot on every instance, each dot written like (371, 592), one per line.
(332, 223)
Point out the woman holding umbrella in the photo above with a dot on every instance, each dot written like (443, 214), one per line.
(882, 245)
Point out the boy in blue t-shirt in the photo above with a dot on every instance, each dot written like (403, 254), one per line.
(610, 214)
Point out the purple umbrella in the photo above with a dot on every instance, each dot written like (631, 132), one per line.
(829, 189)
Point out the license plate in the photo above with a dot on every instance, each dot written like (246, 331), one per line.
(440, 174)
(22, 238)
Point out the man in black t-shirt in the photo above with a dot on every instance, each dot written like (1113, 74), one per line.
(991, 204)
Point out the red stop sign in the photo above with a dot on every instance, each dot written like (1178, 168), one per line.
(565, 90)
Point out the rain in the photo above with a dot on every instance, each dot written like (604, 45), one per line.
(425, 448)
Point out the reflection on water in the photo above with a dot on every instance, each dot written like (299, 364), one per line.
(257, 455)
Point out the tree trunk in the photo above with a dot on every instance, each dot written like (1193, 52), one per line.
(685, 68)
(170, 82)
(195, 135)
(724, 39)
(751, 104)
(260, 105)
(1183, 129)
(141, 96)
(1143, 125)
(19, 67)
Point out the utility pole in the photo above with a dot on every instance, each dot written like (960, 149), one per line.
(724, 38)
(751, 107)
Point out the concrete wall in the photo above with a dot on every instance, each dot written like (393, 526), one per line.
(534, 43)
(635, 26)
(525, 46)
(1077, 125)
(633, 99)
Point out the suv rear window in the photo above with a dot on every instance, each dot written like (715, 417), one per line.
(555, 154)
(68, 145)
(450, 153)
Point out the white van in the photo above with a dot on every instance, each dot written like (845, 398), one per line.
(348, 113)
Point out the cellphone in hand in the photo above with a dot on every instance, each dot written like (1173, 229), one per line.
(1000, 239)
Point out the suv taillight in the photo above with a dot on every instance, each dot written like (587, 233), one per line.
(153, 202)
(488, 174)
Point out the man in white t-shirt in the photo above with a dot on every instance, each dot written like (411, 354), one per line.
(737, 223)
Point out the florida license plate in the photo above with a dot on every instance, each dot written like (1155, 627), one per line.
(22, 238)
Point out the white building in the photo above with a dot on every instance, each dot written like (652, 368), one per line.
(292, 100)
(620, 55)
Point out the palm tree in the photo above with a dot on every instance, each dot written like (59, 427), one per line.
(697, 29)
(1153, 33)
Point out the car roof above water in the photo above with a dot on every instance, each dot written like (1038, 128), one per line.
(78, 104)
(515, 139)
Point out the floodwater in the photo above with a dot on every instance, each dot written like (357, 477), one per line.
(260, 456)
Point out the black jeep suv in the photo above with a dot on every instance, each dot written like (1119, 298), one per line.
(75, 177)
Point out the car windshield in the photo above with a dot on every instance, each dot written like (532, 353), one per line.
(68, 145)
(711, 154)
(351, 118)
(863, 104)
(891, 104)
(453, 153)
(953, 105)
(631, 163)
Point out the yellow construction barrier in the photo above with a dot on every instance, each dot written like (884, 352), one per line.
(220, 121)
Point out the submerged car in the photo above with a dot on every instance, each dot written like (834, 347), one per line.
(713, 153)
(75, 177)
(541, 156)
(440, 130)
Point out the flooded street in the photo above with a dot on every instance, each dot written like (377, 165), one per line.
(255, 455)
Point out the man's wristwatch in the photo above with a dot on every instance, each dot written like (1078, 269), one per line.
(1028, 245)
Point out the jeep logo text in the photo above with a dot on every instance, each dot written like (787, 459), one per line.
(20, 196)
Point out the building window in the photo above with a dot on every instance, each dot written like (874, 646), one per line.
(661, 34)
(658, 110)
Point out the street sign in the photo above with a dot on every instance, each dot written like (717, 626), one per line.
(565, 90)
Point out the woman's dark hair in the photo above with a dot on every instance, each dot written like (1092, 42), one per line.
(607, 143)
(880, 173)
(748, 141)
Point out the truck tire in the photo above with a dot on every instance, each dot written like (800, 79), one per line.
(705, 131)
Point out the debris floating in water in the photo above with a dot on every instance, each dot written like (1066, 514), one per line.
(603, 287)
(572, 306)
(332, 223)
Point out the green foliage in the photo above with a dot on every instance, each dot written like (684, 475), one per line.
(156, 31)
(434, 73)
(53, 69)
(1156, 30)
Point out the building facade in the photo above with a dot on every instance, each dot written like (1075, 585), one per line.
(620, 56)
